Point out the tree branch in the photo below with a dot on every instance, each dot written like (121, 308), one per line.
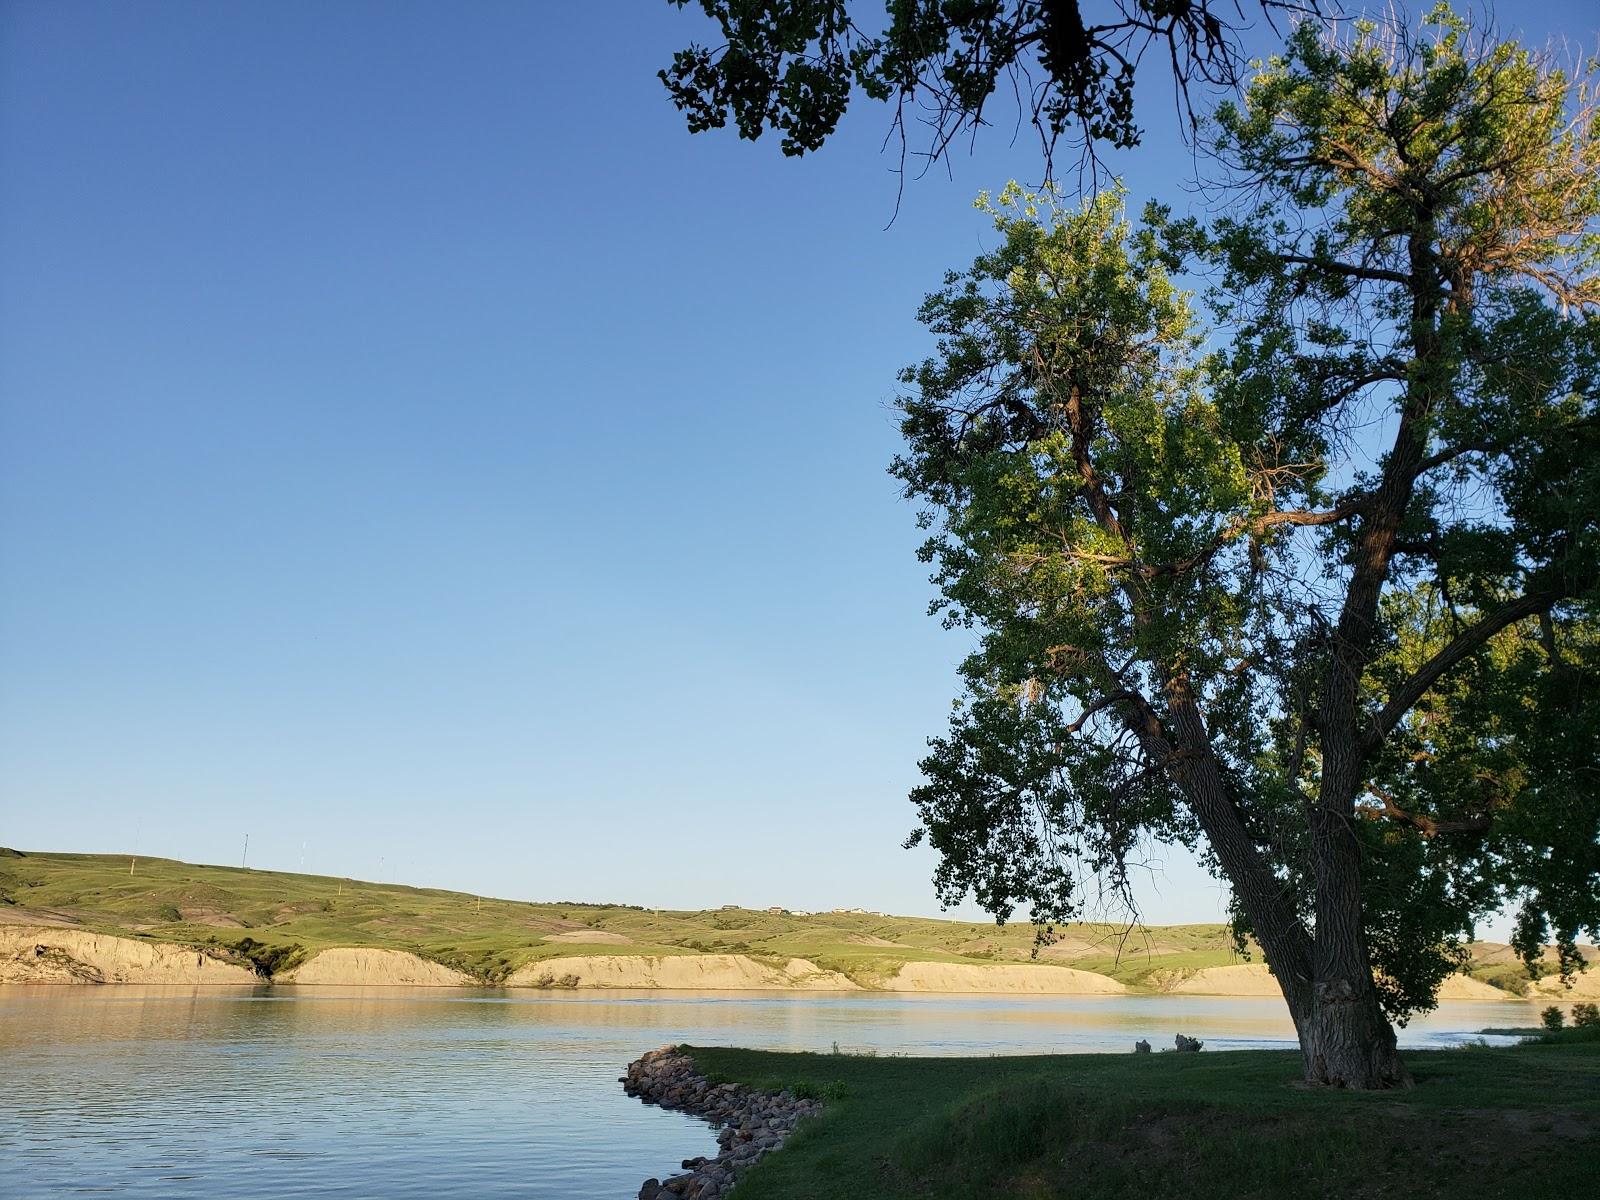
(1425, 825)
(1463, 644)
(1352, 270)
(1342, 511)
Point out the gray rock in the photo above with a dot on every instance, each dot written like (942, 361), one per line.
(751, 1124)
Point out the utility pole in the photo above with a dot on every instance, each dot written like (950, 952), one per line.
(243, 858)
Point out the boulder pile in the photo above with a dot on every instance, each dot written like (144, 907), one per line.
(752, 1123)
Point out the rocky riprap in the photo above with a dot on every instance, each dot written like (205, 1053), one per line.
(752, 1123)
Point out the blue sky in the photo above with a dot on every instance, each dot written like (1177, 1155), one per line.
(421, 454)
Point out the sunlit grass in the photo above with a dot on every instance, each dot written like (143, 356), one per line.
(1522, 1122)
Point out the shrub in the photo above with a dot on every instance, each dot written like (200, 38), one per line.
(1553, 1018)
(554, 981)
(268, 960)
(1508, 979)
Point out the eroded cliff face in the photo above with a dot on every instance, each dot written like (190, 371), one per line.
(706, 972)
(1026, 979)
(364, 966)
(65, 955)
(1253, 979)
(53, 954)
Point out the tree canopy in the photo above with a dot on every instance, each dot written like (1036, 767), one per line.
(1304, 572)
(793, 66)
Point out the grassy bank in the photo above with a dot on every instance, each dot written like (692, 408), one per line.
(1520, 1122)
(294, 914)
(279, 918)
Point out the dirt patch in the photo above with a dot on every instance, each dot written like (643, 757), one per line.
(590, 937)
(10, 915)
(216, 918)
(553, 924)
(1068, 949)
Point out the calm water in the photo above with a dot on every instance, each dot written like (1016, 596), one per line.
(128, 1091)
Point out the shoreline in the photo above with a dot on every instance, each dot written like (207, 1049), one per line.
(751, 1123)
(57, 955)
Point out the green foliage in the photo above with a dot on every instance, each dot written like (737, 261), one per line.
(1586, 1016)
(792, 65)
(1587, 1035)
(551, 980)
(1326, 598)
(268, 960)
(1553, 1018)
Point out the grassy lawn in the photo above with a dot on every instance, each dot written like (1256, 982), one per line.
(1521, 1122)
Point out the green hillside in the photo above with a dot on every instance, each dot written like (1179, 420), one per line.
(293, 915)
(277, 918)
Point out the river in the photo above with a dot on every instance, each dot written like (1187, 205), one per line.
(439, 1093)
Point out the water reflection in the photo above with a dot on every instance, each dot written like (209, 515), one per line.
(425, 1092)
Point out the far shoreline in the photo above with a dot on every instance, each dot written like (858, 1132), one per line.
(110, 919)
(53, 955)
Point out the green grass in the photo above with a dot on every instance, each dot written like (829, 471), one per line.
(1522, 1122)
(289, 916)
(1571, 1035)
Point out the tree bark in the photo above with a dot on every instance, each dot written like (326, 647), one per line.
(1345, 1037)
(1346, 1040)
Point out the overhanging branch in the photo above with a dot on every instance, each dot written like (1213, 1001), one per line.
(1462, 645)
(1425, 825)
(1258, 525)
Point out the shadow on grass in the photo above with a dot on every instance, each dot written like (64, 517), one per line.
(1519, 1122)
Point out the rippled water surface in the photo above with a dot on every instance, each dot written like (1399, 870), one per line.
(391, 1093)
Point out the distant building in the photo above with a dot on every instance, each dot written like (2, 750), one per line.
(777, 910)
(726, 907)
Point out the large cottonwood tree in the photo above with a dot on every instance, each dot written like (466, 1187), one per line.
(1322, 601)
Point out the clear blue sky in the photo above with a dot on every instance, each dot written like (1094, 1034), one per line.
(416, 447)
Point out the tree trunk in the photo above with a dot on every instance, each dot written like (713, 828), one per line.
(1345, 1037)
(1326, 980)
(1347, 1041)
